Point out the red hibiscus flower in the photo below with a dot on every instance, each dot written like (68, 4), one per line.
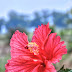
(37, 55)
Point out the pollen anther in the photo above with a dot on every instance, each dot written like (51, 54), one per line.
(33, 47)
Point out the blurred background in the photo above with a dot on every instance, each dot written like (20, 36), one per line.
(26, 15)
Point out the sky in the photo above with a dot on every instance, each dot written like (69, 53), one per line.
(30, 6)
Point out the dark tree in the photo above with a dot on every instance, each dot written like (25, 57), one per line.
(37, 20)
(69, 21)
(2, 21)
(16, 20)
(59, 19)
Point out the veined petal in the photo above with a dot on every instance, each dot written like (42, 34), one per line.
(20, 65)
(18, 42)
(48, 68)
(23, 65)
(54, 48)
(40, 34)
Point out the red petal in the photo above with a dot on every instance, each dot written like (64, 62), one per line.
(39, 68)
(54, 48)
(40, 34)
(18, 42)
(20, 65)
(49, 67)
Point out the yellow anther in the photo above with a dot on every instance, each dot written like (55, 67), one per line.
(33, 47)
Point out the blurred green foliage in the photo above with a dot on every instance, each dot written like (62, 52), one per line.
(69, 21)
(3, 61)
(64, 70)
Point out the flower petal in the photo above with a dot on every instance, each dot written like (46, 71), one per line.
(18, 42)
(40, 34)
(54, 48)
(49, 68)
(20, 65)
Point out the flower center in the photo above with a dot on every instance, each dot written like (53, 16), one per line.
(43, 64)
(33, 47)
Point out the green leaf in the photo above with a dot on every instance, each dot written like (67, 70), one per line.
(64, 70)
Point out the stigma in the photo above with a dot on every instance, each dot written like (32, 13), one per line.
(33, 47)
